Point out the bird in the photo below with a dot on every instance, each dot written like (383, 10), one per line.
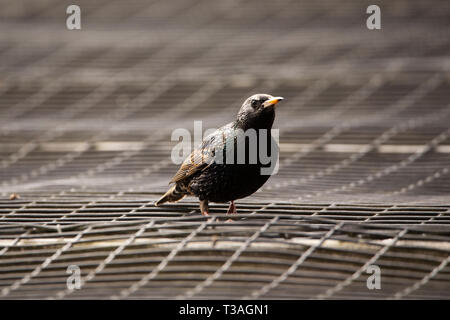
(212, 173)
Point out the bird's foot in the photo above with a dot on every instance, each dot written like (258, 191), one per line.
(232, 208)
(205, 213)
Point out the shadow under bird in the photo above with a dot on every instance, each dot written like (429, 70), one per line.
(212, 172)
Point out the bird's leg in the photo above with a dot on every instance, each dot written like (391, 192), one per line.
(204, 207)
(232, 208)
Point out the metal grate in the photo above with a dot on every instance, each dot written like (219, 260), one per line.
(85, 128)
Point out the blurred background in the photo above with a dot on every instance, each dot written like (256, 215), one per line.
(86, 118)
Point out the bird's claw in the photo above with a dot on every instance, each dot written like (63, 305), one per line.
(232, 208)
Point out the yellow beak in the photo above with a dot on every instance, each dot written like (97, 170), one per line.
(272, 101)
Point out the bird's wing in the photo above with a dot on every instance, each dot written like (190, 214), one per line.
(192, 164)
(203, 156)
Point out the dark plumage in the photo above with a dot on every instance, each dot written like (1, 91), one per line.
(208, 174)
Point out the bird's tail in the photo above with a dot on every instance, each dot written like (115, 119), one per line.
(172, 195)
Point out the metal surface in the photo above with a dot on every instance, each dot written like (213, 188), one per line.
(86, 119)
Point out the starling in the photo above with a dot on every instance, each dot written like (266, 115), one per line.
(212, 172)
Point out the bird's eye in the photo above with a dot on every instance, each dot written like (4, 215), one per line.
(254, 103)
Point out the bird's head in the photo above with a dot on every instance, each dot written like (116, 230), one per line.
(258, 112)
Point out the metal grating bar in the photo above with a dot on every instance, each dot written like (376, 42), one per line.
(357, 274)
(163, 263)
(216, 275)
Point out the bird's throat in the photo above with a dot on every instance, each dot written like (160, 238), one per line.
(264, 120)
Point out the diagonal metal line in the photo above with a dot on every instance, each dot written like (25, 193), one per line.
(197, 97)
(370, 218)
(31, 146)
(355, 157)
(294, 267)
(419, 183)
(388, 170)
(138, 103)
(50, 88)
(109, 258)
(113, 254)
(300, 223)
(407, 101)
(49, 260)
(433, 218)
(16, 285)
(373, 144)
(216, 275)
(14, 242)
(150, 276)
(105, 88)
(424, 281)
(341, 285)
